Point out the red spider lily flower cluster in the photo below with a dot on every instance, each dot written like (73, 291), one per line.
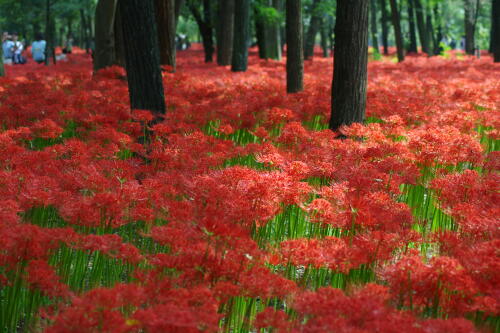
(236, 198)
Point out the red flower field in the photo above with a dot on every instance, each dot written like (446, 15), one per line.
(244, 212)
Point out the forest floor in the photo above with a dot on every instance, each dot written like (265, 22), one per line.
(244, 211)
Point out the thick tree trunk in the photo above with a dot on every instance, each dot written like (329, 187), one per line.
(165, 22)
(178, 6)
(104, 55)
(241, 35)
(142, 56)
(421, 27)
(439, 31)
(205, 28)
(495, 29)
(225, 32)
(119, 40)
(260, 34)
(294, 52)
(411, 28)
(373, 21)
(398, 36)
(312, 31)
(350, 66)
(385, 29)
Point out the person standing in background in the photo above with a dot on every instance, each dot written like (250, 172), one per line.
(7, 45)
(17, 50)
(38, 48)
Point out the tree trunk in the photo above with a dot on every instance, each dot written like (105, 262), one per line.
(2, 68)
(471, 11)
(439, 31)
(385, 29)
(86, 31)
(225, 32)
(104, 55)
(294, 52)
(205, 28)
(165, 23)
(350, 66)
(142, 56)
(260, 34)
(411, 28)
(49, 33)
(421, 27)
(396, 22)
(373, 21)
(495, 29)
(241, 35)
(272, 32)
(429, 31)
(324, 37)
(119, 40)
(178, 6)
(312, 31)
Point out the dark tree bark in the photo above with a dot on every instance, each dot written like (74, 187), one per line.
(373, 21)
(85, 30)
(396, 22)
(421, 27)
(294, 52)
(142, 56)
(351, 61)
(411, 28)
(495, 29)
(119, 40)
(104, 55)
(260, 34)
(2, 68)
(241, 35)
(385, 29)
(312, 31)
(178, 6)
(165, 22)
(49, 34)
(225, 32)
(205, 27)
(471, 12)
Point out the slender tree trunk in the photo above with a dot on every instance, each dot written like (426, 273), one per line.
(430, 33)
(142, 56)
(272, 33)
(396, 22)
(495, 29)
(411, 28)
(86, 31)
(439, 31)
(2, 68)
(385, 29)
(104, 55)
(165, 22)
(421, 27)
(324, 37)
(351, 60)
(49, 33)
(205, 27)
(294, 52)
(312, 31)
(373, 21)
(471, 11)
(241, 35)
(225, 32)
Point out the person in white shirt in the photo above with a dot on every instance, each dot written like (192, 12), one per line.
(17, 50)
